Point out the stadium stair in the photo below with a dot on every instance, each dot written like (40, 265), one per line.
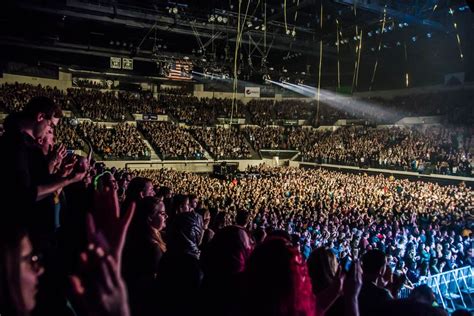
(153, 156)
(253, 152)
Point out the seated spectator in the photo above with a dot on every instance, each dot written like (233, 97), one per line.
(223, 143)
(121, 141)
(171, 142)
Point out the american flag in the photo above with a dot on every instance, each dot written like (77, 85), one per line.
(180, 70)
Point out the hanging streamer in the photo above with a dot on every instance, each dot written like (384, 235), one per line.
(320, 66)
(358, 59)
(406, 64)
(380, 46)
(461, 55)
(338, 65)
(296, 16)
(236, 53)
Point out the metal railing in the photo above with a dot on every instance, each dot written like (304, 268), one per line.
(453, 289)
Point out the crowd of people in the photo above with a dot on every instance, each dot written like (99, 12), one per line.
(65, 133)
(435, 149)
(121, 141)
(91, 84)
(423, 227)
(170, 141)
(223, 143)
(115, 106)
(97, 105)
(269, 137)
(87, 240)
(13, 96)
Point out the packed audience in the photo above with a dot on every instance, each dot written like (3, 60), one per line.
(441, 150)
(86, 240)
(14, 96)
(223, 143)
(175, 91)
(122, 141)
(188, 110)
(143, 103)
(65, 133)
(418, 224)
(269, 137)
(97, 105)
(435, 149)
(92, 84)
(171, 141)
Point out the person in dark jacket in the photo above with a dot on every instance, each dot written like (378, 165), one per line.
(144, 248)
(179, 274)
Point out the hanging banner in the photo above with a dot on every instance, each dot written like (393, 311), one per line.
(115, 62)
(252, 92)
(127, 63)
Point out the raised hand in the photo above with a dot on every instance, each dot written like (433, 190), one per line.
(351, 289)
(55, 157)
(107, 222)
(353, 281)
(99, 289)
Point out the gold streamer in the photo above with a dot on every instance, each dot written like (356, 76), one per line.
(461, 55)
(380, 46)
(358, 59)
(320, 67)
(338, 66)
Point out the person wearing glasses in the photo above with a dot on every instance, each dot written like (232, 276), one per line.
(97, 287)
(20, 270)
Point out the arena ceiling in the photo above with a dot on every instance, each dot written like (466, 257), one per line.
(277, 37)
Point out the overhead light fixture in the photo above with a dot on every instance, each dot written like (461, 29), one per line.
(370, 34)
(413, 38)
(263, 28)
(212, 18)
(288, 32)
(225, 20)
(400, 25)
(399, 44)
(175, 10)
(219, 19)
(249, 24)
(293, 33)
(405, 24)
(428, 35)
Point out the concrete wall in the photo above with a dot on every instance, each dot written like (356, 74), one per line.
(190, 166)
(417, 120)
(385, 171)
(64, 82)
(161, 118)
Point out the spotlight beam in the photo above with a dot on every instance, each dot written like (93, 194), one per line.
(350, 105)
